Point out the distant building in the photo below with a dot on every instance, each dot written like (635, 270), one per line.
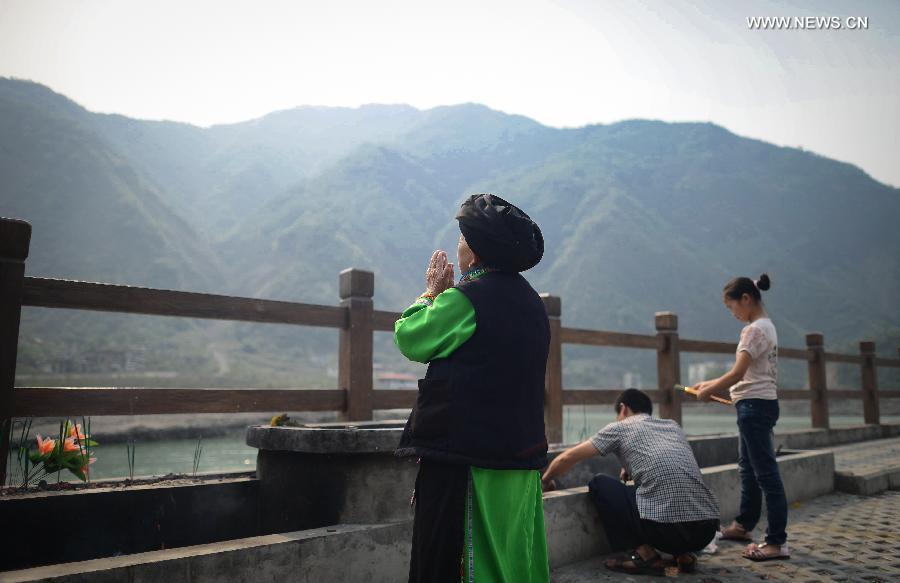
(396, 380)
(97, 361)
(632, 380)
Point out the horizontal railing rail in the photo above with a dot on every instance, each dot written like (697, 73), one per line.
(845, 358)
(713, 347)
(77, 401)
(604, 338)
(104, 297)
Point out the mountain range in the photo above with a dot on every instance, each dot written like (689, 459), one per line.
(638, 216)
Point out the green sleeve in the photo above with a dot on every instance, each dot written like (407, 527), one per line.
(425, 333)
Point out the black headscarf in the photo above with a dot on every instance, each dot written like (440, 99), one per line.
(501, 234)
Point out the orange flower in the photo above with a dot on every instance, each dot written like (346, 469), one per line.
(76, 432)
(85, 467)
(45, 446)
(70, 445)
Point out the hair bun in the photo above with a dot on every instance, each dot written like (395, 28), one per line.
(763, 283)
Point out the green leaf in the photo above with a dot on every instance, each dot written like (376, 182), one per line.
(72, 463)
(80, 474)
(35, 456)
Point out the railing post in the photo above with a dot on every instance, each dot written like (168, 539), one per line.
(815, 343)
(871, 412)
(356, 289)
(15, 238)
(668, 365)
(553, 405)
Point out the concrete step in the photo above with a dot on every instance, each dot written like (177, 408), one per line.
(869, 483)
(867, 468)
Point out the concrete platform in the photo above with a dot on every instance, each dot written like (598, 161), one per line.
(867, 468)
(838, 537)
(379, 553)
(824, 530)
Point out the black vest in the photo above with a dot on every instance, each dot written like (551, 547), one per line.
(484, 404)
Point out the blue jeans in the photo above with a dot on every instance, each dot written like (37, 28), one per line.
(759, 470)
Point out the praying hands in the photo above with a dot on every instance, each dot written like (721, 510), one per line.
(439, 275)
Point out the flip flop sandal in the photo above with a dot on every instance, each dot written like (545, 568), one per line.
(738, 535)
(638, 565)
(755, 553)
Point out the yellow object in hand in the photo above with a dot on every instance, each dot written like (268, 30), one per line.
(693, 391)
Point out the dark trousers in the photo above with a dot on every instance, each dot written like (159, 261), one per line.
(759, 469)
(625, 529)
(438, 527)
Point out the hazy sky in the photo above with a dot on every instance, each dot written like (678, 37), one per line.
(563, 63)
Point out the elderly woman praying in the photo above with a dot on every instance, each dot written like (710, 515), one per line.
(478, 424)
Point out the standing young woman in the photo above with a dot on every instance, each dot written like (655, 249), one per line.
(752, 385)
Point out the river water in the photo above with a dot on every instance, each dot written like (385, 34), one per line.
(230, 453)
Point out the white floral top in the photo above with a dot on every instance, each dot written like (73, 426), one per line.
(760, 341)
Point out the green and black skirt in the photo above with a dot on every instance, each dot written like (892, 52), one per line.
(477, 525)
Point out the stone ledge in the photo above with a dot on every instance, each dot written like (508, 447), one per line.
(344, 552)
(376, 553)
(339, 439)
(869, 483)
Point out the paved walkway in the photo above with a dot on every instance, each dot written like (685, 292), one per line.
(839, 537)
